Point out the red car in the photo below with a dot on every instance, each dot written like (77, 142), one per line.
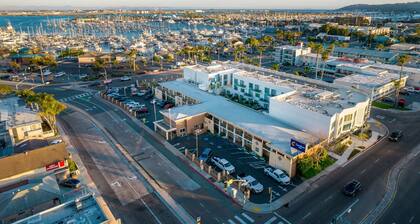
(168, 105)
(142, 110)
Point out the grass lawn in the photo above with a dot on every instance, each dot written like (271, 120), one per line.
(308, 173)
(382, 105)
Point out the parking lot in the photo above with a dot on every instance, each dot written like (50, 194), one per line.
(244, 162)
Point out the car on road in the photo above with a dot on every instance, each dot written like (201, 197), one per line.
(71, 182)
(205, 155)
(351, 188)
(251, 183)
(125, 78)
(223, 164)
(395, 136)
(83, 76)
(56, 141)
(277, 174)
(59, 74)
(168, 106)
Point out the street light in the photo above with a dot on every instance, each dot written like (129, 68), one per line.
(196, 141)
(154, 109)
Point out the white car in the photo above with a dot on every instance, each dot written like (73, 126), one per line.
(223, 164)
(125, 78)
(277, 175)
(56, 141)
(251, 183)
(59, 74)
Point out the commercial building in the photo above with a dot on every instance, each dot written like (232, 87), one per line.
(299, 109)
(85, 209)
(373, 55)
(287, 54)
(354, 20)
(22, 122)
(376, 79)
(372, 30)
(327, 37)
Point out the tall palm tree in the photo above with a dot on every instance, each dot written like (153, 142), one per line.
(317, 48)
(324, 57)
(220, 46)
(133, 58)
(402, 60)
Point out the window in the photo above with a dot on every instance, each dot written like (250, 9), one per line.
(235, 87)
(235, 81)
(182, 130)
(346, 127)
(241, 82)
(257, 87)
(348, 117)
(251, 86)
(273, 92)
(266, 91)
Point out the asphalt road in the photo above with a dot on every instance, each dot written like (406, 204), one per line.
(325, 199)
(405, 206)
(121, 188)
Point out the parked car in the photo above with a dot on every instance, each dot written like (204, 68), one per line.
(251, 183)
(125, 78)
(93, 84)
(205, 155)
(411, 89)
(351, 188)
(395, 136)
(56, 141)
(168, 105)
(223, 164)
(71, 182)
(278, 175)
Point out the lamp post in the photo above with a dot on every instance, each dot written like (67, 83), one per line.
(196, 142)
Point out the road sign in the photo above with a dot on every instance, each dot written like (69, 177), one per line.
(297, 145)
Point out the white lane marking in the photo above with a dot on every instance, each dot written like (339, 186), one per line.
(329, 198)
(363, 171)
(231, 222)
(151, 212)
(274, 218)
(411, 219)
(249, 218)
(201, 204)
(116, 183)
(307, 215)
(376, 160)
(239, 219)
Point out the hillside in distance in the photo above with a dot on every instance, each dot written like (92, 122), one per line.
(397, 7)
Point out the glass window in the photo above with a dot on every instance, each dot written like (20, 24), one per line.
(273, 92)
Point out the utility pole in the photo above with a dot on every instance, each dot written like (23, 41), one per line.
(196, 142)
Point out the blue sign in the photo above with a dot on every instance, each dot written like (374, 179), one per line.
(297, 145)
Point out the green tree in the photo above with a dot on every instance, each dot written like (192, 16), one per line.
(15, 66)
(48, 106)
(41, 62)
(380, 47)
(5, 90)
(132, 55)
(402, 60)
(276, 67)
(317, 48)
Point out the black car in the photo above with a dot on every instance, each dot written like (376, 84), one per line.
(71, 182)
(395, 136)
(206, 155)
(351, 188)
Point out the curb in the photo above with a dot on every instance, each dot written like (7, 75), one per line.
(177, 210)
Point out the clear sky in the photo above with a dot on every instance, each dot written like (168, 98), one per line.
(285, 4)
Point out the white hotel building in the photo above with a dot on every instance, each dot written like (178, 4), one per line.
(299, 109)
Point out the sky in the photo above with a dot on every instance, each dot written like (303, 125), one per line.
(278, 4)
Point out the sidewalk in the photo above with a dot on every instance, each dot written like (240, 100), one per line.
(378, 129)
(84, 176)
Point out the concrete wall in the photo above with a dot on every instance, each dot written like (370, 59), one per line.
(315, 123)
(282, 162)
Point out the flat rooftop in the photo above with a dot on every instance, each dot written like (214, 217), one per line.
(307, 93)
(276, 132)
(15, 113)
(82, 210)
(210, 69)
(370, 81)
(373, 53)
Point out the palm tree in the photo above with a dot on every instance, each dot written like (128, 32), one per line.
(133, 58)
(324, 57)
(402, 60)
(318, 48)
(220, 46)
(276, 67)
(260, 49)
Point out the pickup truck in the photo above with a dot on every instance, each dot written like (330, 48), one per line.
(223, 164)
(277, 175)
(251, 183)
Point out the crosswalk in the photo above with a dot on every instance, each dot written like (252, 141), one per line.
(70, 98)
(244, 218)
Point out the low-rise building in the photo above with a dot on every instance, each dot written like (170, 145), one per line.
(328, 37)
(354, 20)
(287, 54)
(299, 109)
(372, 30)
(22, 122)
(373, 55)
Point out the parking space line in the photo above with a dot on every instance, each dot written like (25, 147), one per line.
(281, 217)
(274, 218)
(231, 222)
(239, 219)
(247, 217)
